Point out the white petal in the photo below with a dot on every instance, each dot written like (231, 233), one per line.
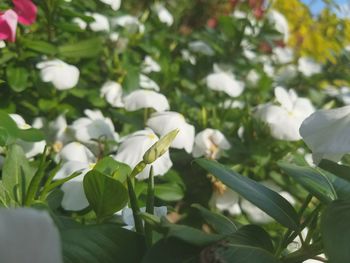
(140, 99)
(223, 81)
(71, 167)
(74, 198)
(201, 47)
(227, 201)
(100, 24)
(283, 97)
(28, 235)
(113, 92)
(76, 151)
(147, 83)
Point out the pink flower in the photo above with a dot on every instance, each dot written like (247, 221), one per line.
(8, 25)
(26, 11)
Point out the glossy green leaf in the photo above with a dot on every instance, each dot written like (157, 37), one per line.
(339, 170)
(106, 243)
(336, 232)
(113, 168)
(220, 223)
(105, 194)
(267, 200)
(16, 173)
(169, 192)
(17, 78)
(312, 180)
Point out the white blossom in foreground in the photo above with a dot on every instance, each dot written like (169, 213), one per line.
(128, 217)
(147, 83)
(280, 23)
(80, 23)
(165, 122)
(94, 126)
(28, 235)
(326, 133)
(100, 24)
(201, 48)
(285, 120)
(226, 201)
(140, 99)
(150, 65)
(114, 4)
(112, 91)
(130, 23)
(308, 66)
(30, 149)
(62, 75)
(134, 146)
(76, 158)
(224, 81)
(164, 15)
(210, 143)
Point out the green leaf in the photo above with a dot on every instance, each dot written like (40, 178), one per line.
(113, 168)
(16, 173)
(220, 223)
(316, 183)
(250, 244)
(82, 49)
(336, 232)
(17, 78)
(105, 194)
(267, 200)
(31, 135)
(169, 192)
(105, 243)
(40, 46)
(339, 170)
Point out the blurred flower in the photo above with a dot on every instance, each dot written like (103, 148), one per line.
(285, 120)
(163, 14)
(253, 77)
(134, 146)
(100, 24)
(147, 83)
(226, 201)
(224, 81)
(187, 56)
(326, 133)
(58, 133)
(112, 91)
(94, 126)
(140, 99)
(2, 43)
(130, 23)
(210, 143)
(280, 23)
(128, 217)
(8, 25)
(115, 4)
(26, 11)
(62, 75)
(80, 23)
(342, 94)
(76, 158)
(164, 122)
(201, 48)
(150, 65)
(308, 66)
(285, 74)
(33, 232)
(30, 149)
(283, 55)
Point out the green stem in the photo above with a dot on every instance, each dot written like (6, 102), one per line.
(135, 207)
(149, 208)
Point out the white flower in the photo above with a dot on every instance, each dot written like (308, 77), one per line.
(285, 74)
(128, 217)
(210, 143)
(147, 83)
(130, 23)
(342, 94)
(308, 66)
(100, 24)
(134, 146)
(115, 4)
(114, 36)
(165, 122)
(150, 65)
(28, 235)
(62, 75)
(283, 55)
(80, 23)
(226, 201)
(76, 158)
(163, 14)
(253, 77)
(224, 81)
(232, 104)
(30, 149)
(140, 99)
(59, 133)
(285, 120)
(112, 91)
(2, 44)
(280, 23)
(326, 133)
(187, 56)
(201, 48)
(95, 126)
